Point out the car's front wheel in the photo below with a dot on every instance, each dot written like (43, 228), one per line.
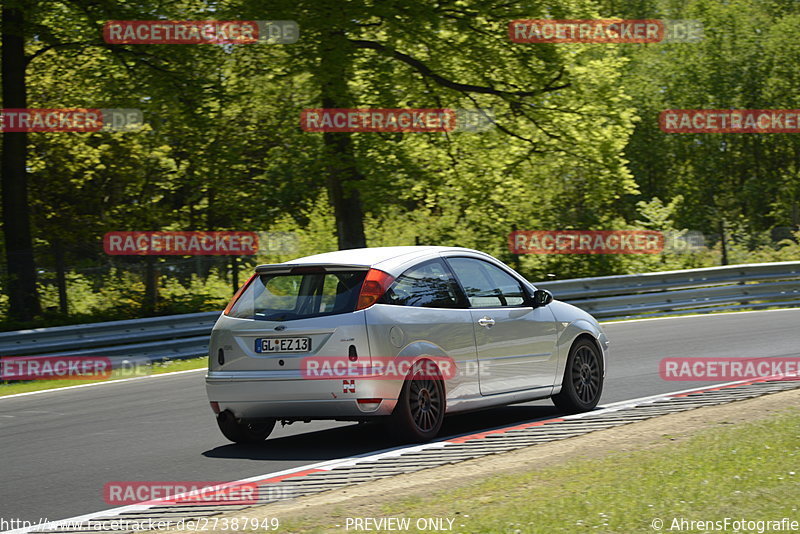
(244, 430)
(420, 409)
(583, 378)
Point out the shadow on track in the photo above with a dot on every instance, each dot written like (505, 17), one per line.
(364, 438)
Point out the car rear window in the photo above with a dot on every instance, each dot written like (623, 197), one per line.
(285, 297)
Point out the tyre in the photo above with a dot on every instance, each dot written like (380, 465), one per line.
(420, 409)
(583, 378)
(244, 430)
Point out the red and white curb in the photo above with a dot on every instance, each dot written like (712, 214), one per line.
(323, 476)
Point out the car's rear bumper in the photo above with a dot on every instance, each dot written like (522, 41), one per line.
(251, 394)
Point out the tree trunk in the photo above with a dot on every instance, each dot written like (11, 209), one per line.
(341, 170)
(61, 277)
(723, 242)
(150, 285)
(23, 298)
(235, 273)
(342, 192)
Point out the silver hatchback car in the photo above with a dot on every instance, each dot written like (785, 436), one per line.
(405, 334)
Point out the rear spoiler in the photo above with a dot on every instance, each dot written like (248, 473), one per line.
(298, 268)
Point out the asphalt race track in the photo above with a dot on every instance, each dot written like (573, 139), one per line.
(60, 448)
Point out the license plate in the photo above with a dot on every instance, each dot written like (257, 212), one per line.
(283, 344)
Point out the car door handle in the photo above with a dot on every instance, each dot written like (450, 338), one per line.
(488, 322)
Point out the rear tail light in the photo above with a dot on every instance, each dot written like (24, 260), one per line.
(238, 294)
(375, 285)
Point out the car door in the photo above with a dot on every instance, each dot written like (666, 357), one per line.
(424, 313)
(515, 341)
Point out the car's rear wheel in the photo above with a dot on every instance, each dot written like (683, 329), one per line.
(583, 378)
(420, 409)
(244, 430)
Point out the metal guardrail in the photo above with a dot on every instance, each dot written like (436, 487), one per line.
(135, 340)
(657, 294)
(731, 287)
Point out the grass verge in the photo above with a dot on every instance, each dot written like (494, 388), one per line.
(747, 471)
(156, 368)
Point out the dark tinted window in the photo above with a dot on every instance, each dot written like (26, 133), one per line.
(487, 286)
(283, 297)
(429, 285)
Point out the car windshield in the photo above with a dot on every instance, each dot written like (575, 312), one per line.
(284, 297)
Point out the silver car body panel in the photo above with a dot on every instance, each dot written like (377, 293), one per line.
(517, 367)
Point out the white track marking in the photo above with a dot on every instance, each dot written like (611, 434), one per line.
(99, 383)
(371, 457)
(719, 314)
(203, 368)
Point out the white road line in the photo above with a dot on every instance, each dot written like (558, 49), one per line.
(203, 368)
(319, 466)
(172, 373)
(373, 456)
(718, 314)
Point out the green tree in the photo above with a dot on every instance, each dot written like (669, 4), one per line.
(742, 63)
(551, 102)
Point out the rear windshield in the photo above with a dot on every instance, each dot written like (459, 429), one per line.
(284, 297)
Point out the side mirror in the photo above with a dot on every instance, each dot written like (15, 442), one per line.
(542, 297)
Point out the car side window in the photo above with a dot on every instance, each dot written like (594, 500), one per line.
(428, 285)
(486, 285)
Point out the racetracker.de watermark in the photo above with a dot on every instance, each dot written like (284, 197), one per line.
(146, 524)
(201, 31)
(383, 368)
(395, 120)
(70, 368)
(70, 120)
(604, 31)
(729, 121)
(55, 368)
(157, 243)
(727, 369)
(121, 493)
(585, 242)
